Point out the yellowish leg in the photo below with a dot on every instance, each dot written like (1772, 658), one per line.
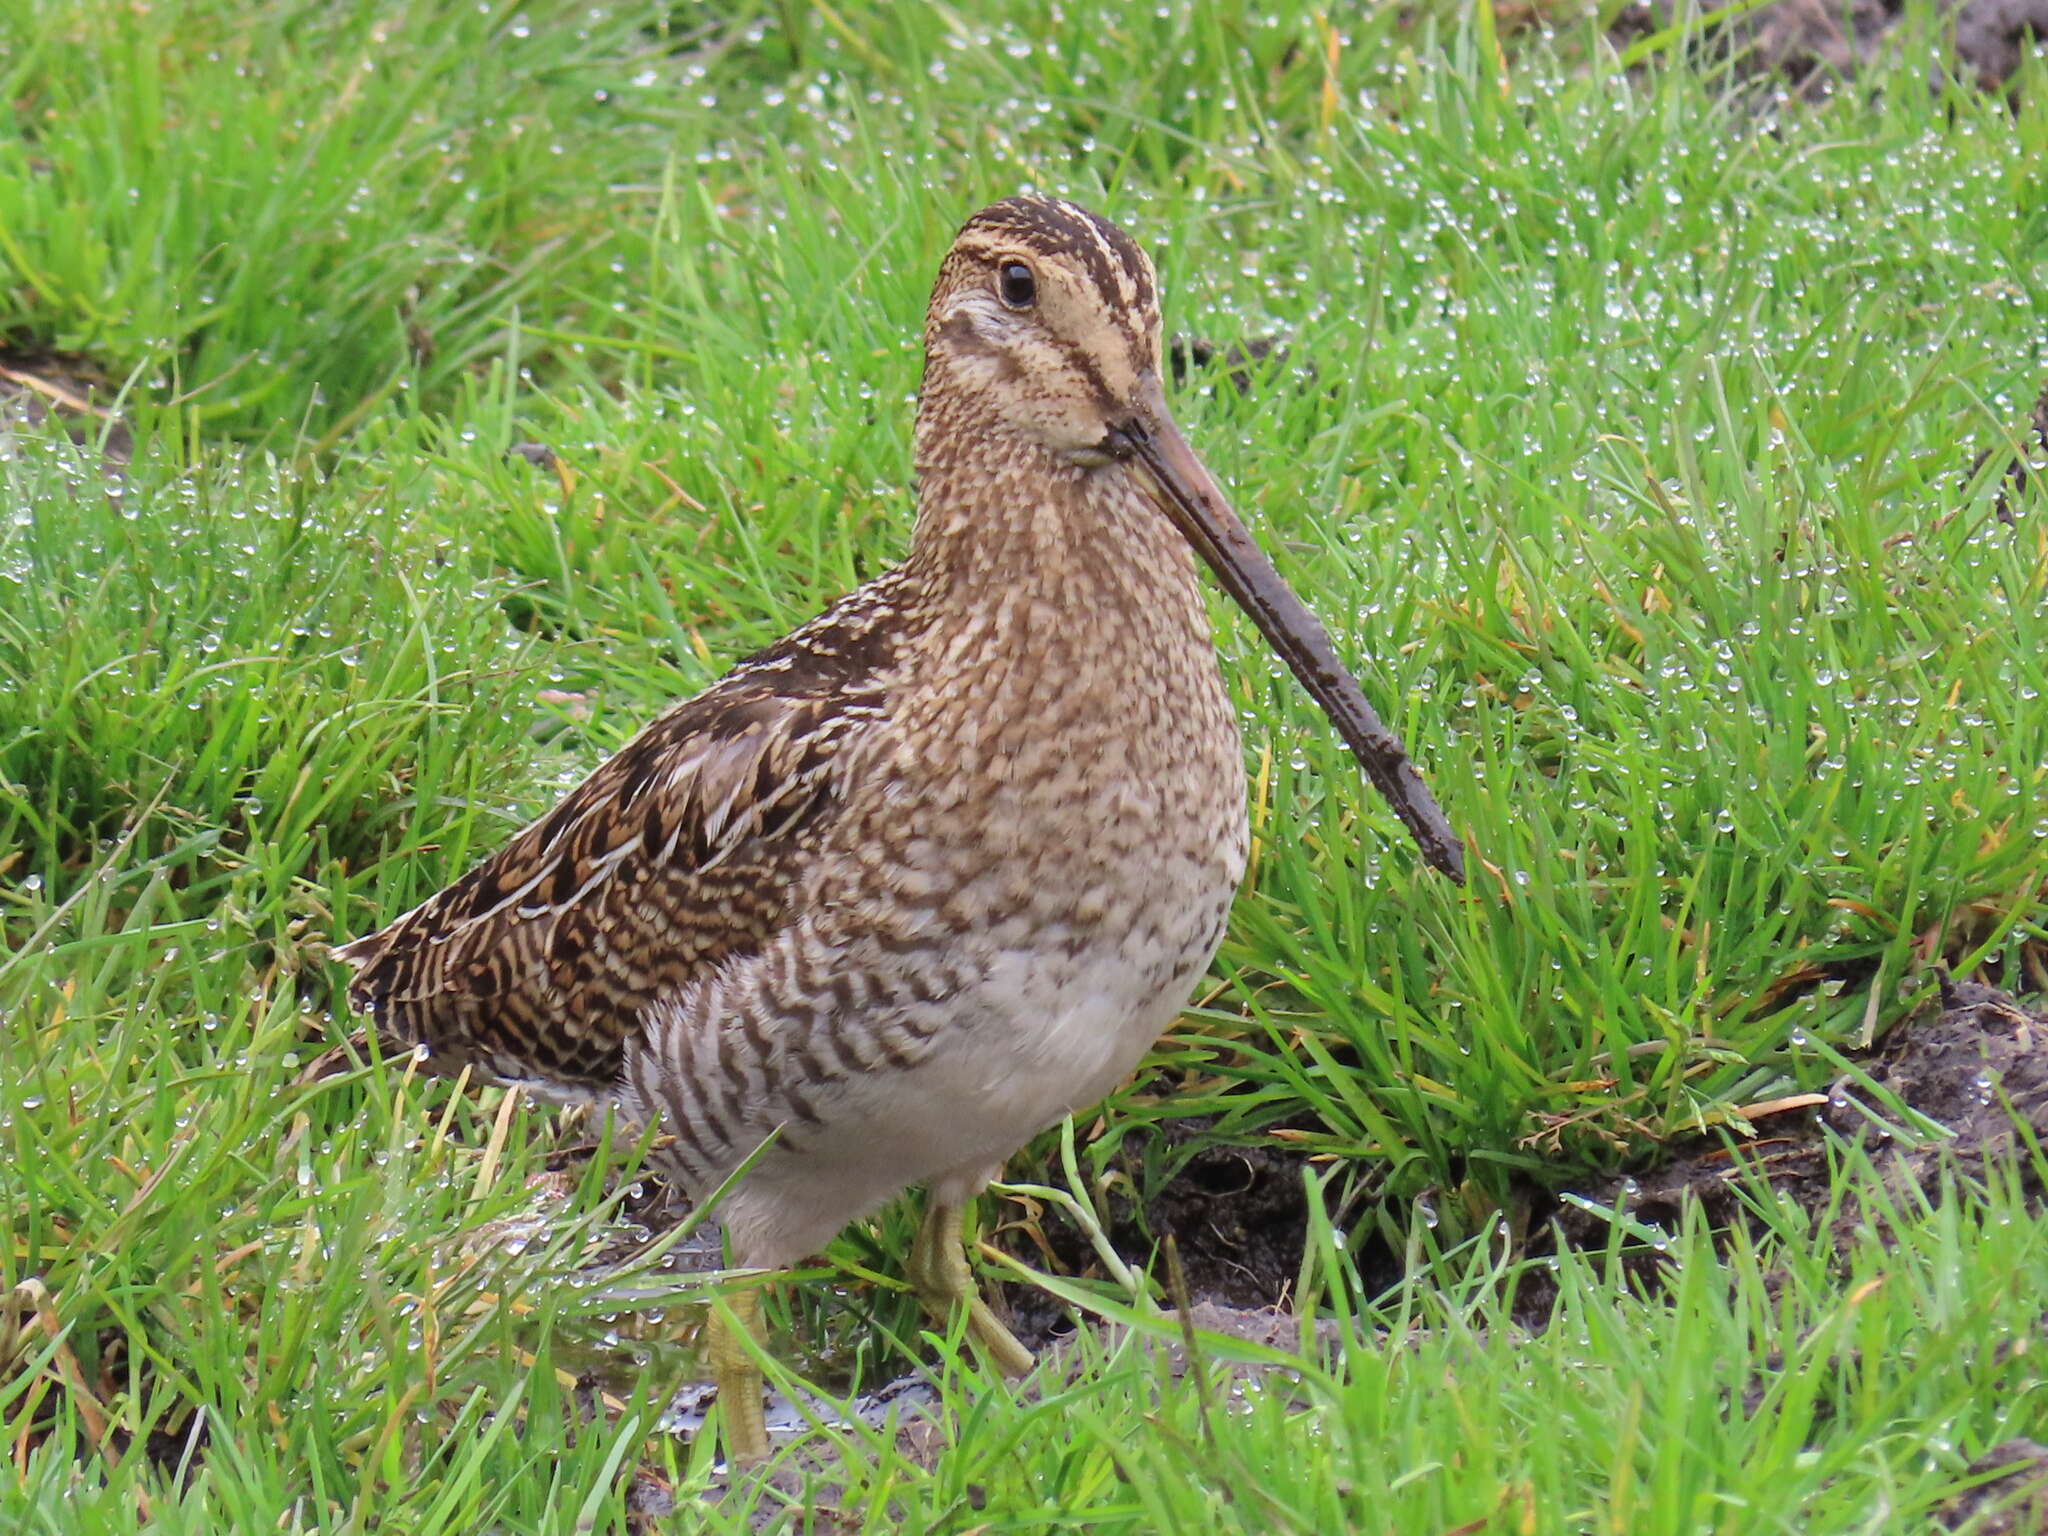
(737, 1377)
(937, 1271)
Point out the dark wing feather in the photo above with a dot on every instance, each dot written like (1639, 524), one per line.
(681, 850)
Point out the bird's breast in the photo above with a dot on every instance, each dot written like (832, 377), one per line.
(1071, 778)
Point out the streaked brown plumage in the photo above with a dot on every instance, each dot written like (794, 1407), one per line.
(676, 854)
(936, 869)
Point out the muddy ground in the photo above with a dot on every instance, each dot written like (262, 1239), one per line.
(39, 386)
(1973, 1080)
(1946, 1093)
(2007, 1468)
(1237, 1216)
(1813, 45)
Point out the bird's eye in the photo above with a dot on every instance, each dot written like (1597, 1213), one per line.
(1017, 286)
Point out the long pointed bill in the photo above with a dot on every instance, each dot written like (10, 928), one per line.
(1192, 499)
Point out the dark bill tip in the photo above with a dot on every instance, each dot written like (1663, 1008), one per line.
(1193, 500)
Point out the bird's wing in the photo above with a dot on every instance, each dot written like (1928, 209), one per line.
(683, 849)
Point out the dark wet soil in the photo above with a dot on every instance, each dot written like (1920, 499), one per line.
(2013, 1498)
(1238, 1217)
(1950, 1093)
(1811, 45)
(1971, 1077)
(1992, 36)
(38, 387)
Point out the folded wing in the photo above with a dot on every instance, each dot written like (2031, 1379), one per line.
(683, 850)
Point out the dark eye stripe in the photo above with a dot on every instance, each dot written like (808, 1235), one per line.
(1086, 366)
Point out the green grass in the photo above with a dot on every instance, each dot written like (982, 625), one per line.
(1621, 441)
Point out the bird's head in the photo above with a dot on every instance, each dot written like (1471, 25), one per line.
(1044, 324)
(1042, 347)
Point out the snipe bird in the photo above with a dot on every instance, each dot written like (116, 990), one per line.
(907, 887)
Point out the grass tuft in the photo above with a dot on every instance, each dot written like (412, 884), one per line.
(1620, 426)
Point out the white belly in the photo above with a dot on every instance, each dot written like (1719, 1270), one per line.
(1044, 1035)
(1046, 1041)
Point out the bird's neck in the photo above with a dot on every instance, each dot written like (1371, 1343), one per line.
(1058, 616)
(1011, 522)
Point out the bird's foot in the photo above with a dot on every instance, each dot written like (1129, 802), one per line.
(743, 1420)
(938, 1273)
